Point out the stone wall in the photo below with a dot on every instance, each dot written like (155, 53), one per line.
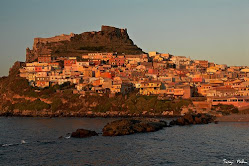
(62, 37)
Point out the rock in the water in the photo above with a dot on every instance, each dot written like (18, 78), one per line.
(82, 133)
(131, 126)
(189, 119)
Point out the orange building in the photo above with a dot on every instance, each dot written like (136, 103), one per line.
(69, 62)
(106, 75)
(202, 63)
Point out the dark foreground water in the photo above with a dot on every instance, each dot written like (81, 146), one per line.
(34, 141)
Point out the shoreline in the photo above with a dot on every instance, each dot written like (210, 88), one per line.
(86, 115)
(233, 118)
(168, 117)
(60, 114)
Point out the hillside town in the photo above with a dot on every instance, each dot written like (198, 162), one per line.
(153, 74)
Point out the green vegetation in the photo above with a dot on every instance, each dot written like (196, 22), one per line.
(8, 105)
(37, 105)
(68, 95)
(150, 103)
(103, 107)
(225, 109)
(21, 87)
(47, 92)
(137, 104)
(56, 104)
(66, 85)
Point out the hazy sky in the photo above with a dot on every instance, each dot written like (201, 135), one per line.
(214, 30)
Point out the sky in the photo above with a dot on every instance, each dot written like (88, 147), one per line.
(213, 30)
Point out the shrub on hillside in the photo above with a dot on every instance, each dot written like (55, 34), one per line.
(21, 86)
(37, 105)
(56, 104)
(225, 109)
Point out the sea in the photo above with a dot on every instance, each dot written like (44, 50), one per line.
(46, 141)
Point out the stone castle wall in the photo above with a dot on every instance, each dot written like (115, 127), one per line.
(105, 28)
(62, 37)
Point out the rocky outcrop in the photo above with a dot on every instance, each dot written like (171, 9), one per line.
(14, 70)
(190, 119)
(83, 133)
(131, 126)
(109, 39)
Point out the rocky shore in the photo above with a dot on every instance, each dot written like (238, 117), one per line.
(234, 118)
(130, 126)
(91, 114)
(192, 119)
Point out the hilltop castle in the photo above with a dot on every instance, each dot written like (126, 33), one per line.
(107, 40)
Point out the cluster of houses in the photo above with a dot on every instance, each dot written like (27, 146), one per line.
(154, 73)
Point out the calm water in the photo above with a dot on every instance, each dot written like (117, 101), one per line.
(188, 145)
